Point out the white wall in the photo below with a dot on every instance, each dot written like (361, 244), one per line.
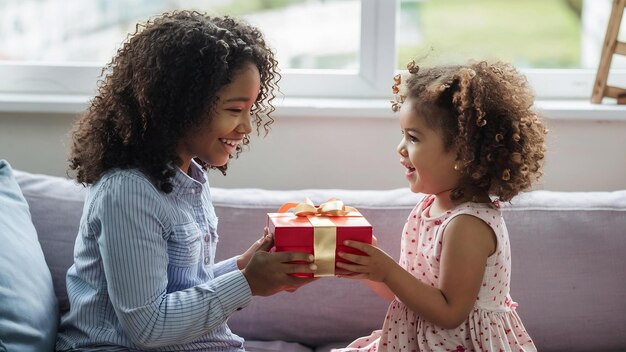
(352, 153)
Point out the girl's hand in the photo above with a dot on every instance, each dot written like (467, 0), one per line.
(265, 243)
(375, 265)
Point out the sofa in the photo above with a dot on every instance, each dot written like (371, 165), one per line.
(569, 264)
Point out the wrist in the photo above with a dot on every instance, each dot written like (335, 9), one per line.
(240, 263)
(391, 274)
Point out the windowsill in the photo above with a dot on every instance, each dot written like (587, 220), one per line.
(318, 107)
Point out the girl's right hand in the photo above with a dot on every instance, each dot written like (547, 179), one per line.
(375, 265)
(269, 273)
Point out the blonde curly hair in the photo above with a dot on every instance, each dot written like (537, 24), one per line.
(485, 111)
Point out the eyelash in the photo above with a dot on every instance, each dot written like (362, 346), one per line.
(411, 138)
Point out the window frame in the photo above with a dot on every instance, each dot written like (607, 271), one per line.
(25, 84)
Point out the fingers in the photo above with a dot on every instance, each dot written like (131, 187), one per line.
(354, 258)
(293, 262)
(363, 247)
(285, 257)
(266, 243)
(300, 268)
(355, 268)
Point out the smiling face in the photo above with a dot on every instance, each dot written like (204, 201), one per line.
(217, 137)
(429, 166)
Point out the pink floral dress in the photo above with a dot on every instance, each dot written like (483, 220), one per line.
(493, 324)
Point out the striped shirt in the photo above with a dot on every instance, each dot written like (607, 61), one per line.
(144, 276)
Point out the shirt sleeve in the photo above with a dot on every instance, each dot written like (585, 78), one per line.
(225, 266)
(133, 244)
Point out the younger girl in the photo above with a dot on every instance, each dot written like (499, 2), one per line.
(469, 135)
(181, 96)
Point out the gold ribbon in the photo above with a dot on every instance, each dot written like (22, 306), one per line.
(324, 230)
(331, 207)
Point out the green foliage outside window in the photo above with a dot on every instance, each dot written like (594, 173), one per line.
(528, 33)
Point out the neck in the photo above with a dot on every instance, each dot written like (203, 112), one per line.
(443, 203)
(186, 167)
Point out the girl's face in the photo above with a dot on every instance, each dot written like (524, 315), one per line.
(429, 167)
(217, 138)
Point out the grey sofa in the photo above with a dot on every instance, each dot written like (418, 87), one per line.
(569, 264)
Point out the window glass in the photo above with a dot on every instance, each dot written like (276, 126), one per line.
(530, 34)
(307, 34)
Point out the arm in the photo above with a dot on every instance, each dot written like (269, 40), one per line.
(468, 242)
(380, 289)
(133, 245)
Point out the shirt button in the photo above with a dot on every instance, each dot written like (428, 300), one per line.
(193, 191)
(206, 238)
(206, 260)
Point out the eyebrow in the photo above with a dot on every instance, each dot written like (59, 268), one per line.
(414, 130)
(237, 99)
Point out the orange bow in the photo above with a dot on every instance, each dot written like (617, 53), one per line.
(331, 207)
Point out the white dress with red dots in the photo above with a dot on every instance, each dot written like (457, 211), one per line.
(493, 324)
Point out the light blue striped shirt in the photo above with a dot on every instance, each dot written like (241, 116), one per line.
(144, 276)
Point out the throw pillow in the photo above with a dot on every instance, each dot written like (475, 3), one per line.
(28, 306)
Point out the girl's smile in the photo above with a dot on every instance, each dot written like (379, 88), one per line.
(410, 170)
(230, 145)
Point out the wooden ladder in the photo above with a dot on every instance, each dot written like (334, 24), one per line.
(611, 46)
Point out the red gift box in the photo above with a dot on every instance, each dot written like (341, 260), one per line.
(310, 229)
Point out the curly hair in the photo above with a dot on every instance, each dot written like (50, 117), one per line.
(161, 84)
(485, 111)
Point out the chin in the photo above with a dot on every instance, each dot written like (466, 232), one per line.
(415, 188)
(220, 163)
(215, 163)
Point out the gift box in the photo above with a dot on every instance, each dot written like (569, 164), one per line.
(319, 230)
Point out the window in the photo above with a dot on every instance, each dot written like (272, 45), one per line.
(556, 42)
(325, 47)
(54, 49)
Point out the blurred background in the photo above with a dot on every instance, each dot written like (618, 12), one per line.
(334, 127)
(324, 34)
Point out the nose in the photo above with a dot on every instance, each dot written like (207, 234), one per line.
(245, 125)
(401, 148)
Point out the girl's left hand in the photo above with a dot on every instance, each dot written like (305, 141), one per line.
(265, 243)
(375, 265)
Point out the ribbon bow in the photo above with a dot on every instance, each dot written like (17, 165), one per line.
(331, 207)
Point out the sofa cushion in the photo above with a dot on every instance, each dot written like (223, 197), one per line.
(569, 268)
(274, 346)
(28, 306)
(56, 205)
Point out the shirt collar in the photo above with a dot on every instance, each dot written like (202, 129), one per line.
(191, 183)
